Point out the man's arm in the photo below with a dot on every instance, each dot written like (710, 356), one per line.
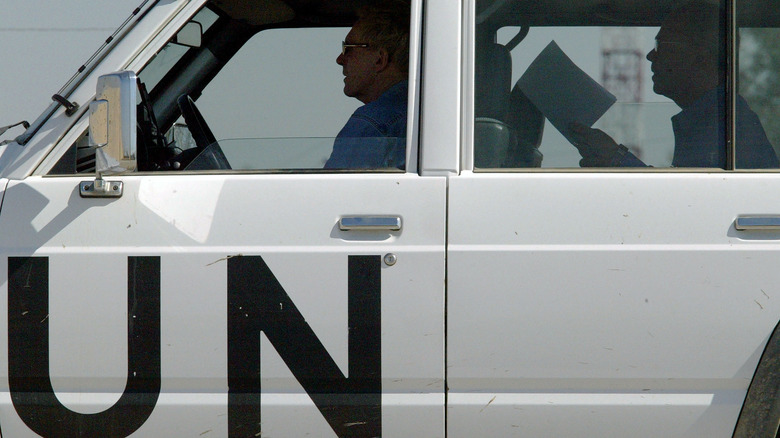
(598, 149)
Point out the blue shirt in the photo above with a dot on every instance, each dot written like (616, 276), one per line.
(375, 135)
(700, 136)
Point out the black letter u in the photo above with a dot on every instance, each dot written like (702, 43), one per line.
(28, 353)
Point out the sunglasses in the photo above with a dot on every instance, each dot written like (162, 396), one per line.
(345, 46)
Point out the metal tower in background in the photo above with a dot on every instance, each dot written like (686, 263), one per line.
(621, 74)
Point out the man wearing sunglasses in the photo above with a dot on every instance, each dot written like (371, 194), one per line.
(375, 62)
(689, 67)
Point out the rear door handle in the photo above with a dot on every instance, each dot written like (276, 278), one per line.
(757, 222)
(370, 223)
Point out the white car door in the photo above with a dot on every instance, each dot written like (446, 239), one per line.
(220, 302)
(232, 302)
(593, 304)
(604, 302)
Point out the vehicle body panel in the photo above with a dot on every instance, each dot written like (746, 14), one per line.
(195, 224)
(618, 296)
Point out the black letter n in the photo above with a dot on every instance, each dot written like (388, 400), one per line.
(257, 302)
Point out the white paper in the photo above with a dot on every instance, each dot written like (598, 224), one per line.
(563, 92)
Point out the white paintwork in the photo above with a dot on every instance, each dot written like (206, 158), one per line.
(415, 68)
(634, 285)
(441, 67)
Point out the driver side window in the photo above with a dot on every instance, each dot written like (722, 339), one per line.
(249, 98)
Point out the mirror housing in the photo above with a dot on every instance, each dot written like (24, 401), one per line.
(112, 122)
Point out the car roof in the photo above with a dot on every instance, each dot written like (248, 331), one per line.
(297, 13)
(496, 13)
(499, 13)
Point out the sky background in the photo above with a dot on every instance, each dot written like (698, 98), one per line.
(42, 44)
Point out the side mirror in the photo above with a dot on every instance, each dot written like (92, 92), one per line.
(112, 122)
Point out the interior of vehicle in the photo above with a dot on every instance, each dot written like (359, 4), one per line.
(610, 42)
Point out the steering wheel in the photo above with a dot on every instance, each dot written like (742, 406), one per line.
(195, 122)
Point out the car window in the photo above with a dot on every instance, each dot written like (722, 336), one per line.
(631, 87)
(759, 81)
(270, 92)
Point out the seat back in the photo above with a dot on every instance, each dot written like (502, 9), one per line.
(527, 123)
(493, 140)
(492, 82)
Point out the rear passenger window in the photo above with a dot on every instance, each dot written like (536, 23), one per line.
(759, 63)
(622, 86)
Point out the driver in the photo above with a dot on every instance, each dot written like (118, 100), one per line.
(375, 62)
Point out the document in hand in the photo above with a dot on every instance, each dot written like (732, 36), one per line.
(563, 92)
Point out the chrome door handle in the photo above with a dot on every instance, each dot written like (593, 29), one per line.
(370, 223)
(757, 222)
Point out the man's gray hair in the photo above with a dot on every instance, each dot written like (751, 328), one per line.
(386, 26)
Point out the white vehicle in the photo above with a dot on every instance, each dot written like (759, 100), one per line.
(161, 283)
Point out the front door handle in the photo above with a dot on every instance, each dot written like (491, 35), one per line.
(370, 223)
(757, 222)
